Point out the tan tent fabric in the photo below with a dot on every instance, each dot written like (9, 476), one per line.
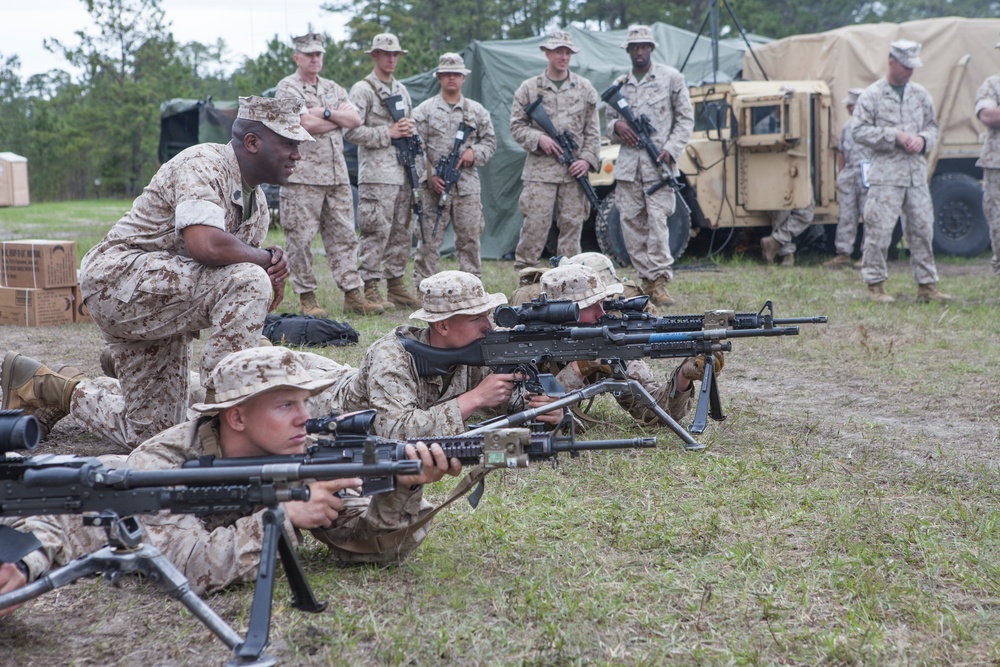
(856, 56)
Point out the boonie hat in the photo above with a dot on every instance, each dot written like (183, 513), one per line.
(595, 260)
(639, 34)
(385, 41)
(558, 39)
(454, 293)
(279, 114)
(578, 283)
(907, 53)
(248, 373)
(451, 63)
(852, 96)
(311, 42)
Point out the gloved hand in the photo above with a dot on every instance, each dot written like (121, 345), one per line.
(589, 368)
(693, 368)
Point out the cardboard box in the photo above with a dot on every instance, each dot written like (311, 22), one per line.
(36, 307)
(80, 312)
(37, 264)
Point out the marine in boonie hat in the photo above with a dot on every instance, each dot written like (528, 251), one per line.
(639, 34)
(907, 53)
(248, 373)
(451, 293)
(578, 283)
(451, 63)
(852, 96)
(558, 39)
(311, 42)
(278, 114)
(595, 260)
(386, 41)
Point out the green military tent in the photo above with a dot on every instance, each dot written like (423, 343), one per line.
(499, 67)
(185, 123)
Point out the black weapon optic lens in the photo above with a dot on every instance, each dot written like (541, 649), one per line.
(18, 431)
(548, 312)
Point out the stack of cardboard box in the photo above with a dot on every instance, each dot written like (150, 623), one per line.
(39, 284)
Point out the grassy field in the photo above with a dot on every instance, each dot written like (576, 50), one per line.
(844, 514)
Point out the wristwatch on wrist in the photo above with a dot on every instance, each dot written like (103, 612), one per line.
(326, 113)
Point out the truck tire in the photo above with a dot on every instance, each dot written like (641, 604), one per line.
(960, 227)
(609, 231)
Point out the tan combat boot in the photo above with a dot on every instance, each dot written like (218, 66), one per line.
(769, 249)
(930, 292)
(838, 262)
(309, 306)
(788, 260)
(400, 296)
(660, 296)
(877, 293)
(354, 302)
(48, 415)
(372, 295)
(30, 386)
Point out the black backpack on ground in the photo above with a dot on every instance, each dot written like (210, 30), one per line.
(292, 329)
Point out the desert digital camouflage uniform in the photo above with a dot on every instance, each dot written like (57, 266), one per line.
(786, 225)
(662, 95)
(383, 189)
(437, 122)
(852, 192)
(988, 97)
(548, 184)
(218, 550)
(318, 196)
(897, 179)
(150, 299)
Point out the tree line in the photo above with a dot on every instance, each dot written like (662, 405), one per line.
(95, 134)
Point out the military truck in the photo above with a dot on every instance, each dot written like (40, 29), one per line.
(737, 167)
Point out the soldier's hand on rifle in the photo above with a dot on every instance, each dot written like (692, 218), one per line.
(626, 133)
(665, 158)
(579, 168)
(437, 184)
(436, 465)
(693, 368)
(401, 128)
(10, 579)
(467, 160)
(540, 400)
(549, 146)
(323, 506)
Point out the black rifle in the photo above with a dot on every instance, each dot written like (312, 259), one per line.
(567, 143)
(505, 448)
(112, 497)
(447, 170)
(645, 131)
(407, 150)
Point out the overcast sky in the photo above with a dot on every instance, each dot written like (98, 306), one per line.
(245, 25)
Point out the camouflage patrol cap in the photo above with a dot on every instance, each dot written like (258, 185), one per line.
(852, 96)
(451, 63)
(248, 373)
(598, 262)
(311, 42)
(578, 283)
(907, 53)
(454, 293)
(558, 39)
(639, 34)
(387, 42)
(278, 114)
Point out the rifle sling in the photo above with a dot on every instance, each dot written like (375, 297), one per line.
(390, 541)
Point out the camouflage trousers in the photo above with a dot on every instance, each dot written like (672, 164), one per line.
(466, 216)
(851, 202)
(644, 227)
(328, 210)
(991, 208)
(538, 202)
(386, 231)
(786, 225)
(886, 203)
(150, 337)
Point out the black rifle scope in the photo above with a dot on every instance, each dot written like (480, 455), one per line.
(18, 431)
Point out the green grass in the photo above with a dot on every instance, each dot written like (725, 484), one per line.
(844, 514)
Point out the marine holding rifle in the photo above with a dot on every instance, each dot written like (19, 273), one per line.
(384, 191)
(259, 410)
(459, 137)
(659, 93)
(570, 101)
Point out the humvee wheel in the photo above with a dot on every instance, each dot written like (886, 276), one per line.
(960, 226)
(609, 231)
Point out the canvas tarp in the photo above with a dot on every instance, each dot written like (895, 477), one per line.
(855, 56)
(185, 123)
(499, 67)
